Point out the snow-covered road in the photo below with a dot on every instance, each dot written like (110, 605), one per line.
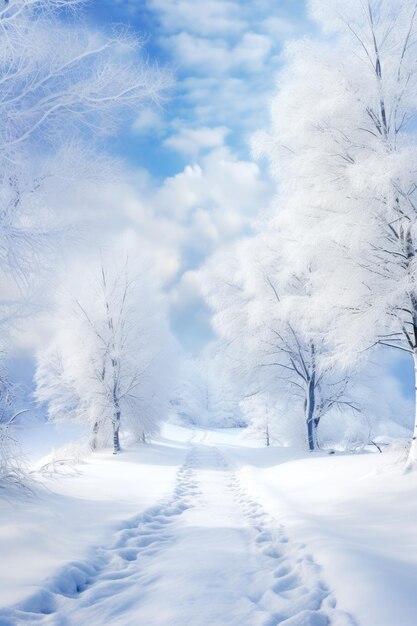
(206, 556)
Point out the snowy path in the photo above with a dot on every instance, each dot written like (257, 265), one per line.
(210, 556)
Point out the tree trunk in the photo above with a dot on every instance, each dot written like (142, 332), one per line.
(116, 428)
(412, 456)
(94, 437)
(310, 406)
(311, 433)
(316, 422)
(310, 403)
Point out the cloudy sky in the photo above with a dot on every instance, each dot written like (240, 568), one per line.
(193, 185)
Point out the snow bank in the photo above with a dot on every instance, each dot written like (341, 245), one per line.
(355, 514)
(68, 515)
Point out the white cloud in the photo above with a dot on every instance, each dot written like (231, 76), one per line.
(187, 291)
(252, 51)
(199, 53)
(219, 56)
(197, 209)
(227, 54)
(148, 120)
(243, 103)
(211, 17)
(174, 226)
(203, 206)
(215, 199)
(191, 141)
(279, 27)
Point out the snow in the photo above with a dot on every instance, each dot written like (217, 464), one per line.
(356, 514)
(68, 514)
(204, 528)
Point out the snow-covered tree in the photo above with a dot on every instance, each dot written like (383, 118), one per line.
(204, 395)
(219, 403)
(63, 86)
(11, 465)
(60, 76)
(109, 365)
(261, 417)
(342, 145)
(277, 346)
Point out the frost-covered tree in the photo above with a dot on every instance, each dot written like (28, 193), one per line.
(109, 365)
(217, 396)
(275, 419)
(204, 395)
(261, 418)
(11, 466)
(59, 76)
(63, 86)
(342, 144)
(262, 310)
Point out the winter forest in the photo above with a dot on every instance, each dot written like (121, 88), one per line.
(208, 312)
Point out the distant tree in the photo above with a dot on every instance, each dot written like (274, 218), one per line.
(204, 396)
(219, 403)
(109, 364)
(260, 418)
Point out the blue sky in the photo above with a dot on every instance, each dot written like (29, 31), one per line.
(191, 156)
(224, 55)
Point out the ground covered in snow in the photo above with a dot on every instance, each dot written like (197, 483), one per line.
(202, 528)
